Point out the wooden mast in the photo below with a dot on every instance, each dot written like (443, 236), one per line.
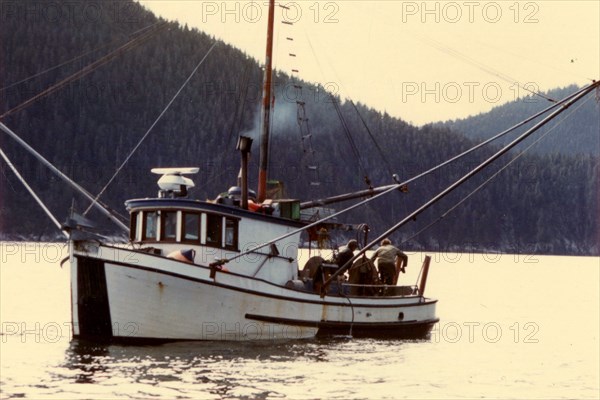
(266, 108)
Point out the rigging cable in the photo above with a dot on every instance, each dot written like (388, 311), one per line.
(76, 58)
(87, 69)
(388, 165)
(346, 130)
(381, 153)
(151, 127)
(435, 168)
(494, 176)
(240, 103)
(390, 188)
(306, 134)
(481, 66)
(107, 211)
(33, 194)
(302, 120)
(480, 167)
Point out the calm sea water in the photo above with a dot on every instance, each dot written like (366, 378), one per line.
(512, 326)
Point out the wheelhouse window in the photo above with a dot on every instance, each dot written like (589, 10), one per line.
(197, 228)
(150, 225)
(191, 227)
(214, 230)
(169, 225)
(231, 234)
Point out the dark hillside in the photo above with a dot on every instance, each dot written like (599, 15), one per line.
(542, 203)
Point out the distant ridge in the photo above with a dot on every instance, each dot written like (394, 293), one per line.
(579, 133)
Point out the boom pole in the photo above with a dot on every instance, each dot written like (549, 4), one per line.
(104, 210)
(31, 191)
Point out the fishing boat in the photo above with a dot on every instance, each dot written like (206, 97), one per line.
(184, 276)
(230, 268)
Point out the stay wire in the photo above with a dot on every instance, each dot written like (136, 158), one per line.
(150, 129)
(493, 176)
(107, 211)
(388, 165)
(131, 36)
(86, 70)
(308, 157)
(564, 105)
(464, 153)
(481, 66)
(348, 134)
(381, 153)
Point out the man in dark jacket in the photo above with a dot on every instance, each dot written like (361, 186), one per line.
(346, 253)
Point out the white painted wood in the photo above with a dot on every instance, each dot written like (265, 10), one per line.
(156, 297)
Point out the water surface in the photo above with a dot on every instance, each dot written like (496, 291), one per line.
(512, 326)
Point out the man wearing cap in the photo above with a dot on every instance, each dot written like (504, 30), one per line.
(346, 253)
(386, 254)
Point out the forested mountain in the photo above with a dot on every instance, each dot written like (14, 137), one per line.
(577, 130)
(543, 203)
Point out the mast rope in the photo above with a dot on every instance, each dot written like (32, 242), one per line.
(131, 36)
(150, 129)
(384, 158)
(304, 130)
(87, 69)
(495, 175)
(379, 149)
(348, 134)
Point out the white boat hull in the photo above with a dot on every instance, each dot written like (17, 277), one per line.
(120, 294)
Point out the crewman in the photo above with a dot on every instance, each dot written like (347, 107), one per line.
(388, 256)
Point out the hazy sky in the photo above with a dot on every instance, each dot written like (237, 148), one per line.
(423, 61)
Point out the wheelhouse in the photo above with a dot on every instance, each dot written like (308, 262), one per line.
(215, 232)
(193, 227)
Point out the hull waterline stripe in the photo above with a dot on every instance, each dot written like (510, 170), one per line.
(336, 324)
